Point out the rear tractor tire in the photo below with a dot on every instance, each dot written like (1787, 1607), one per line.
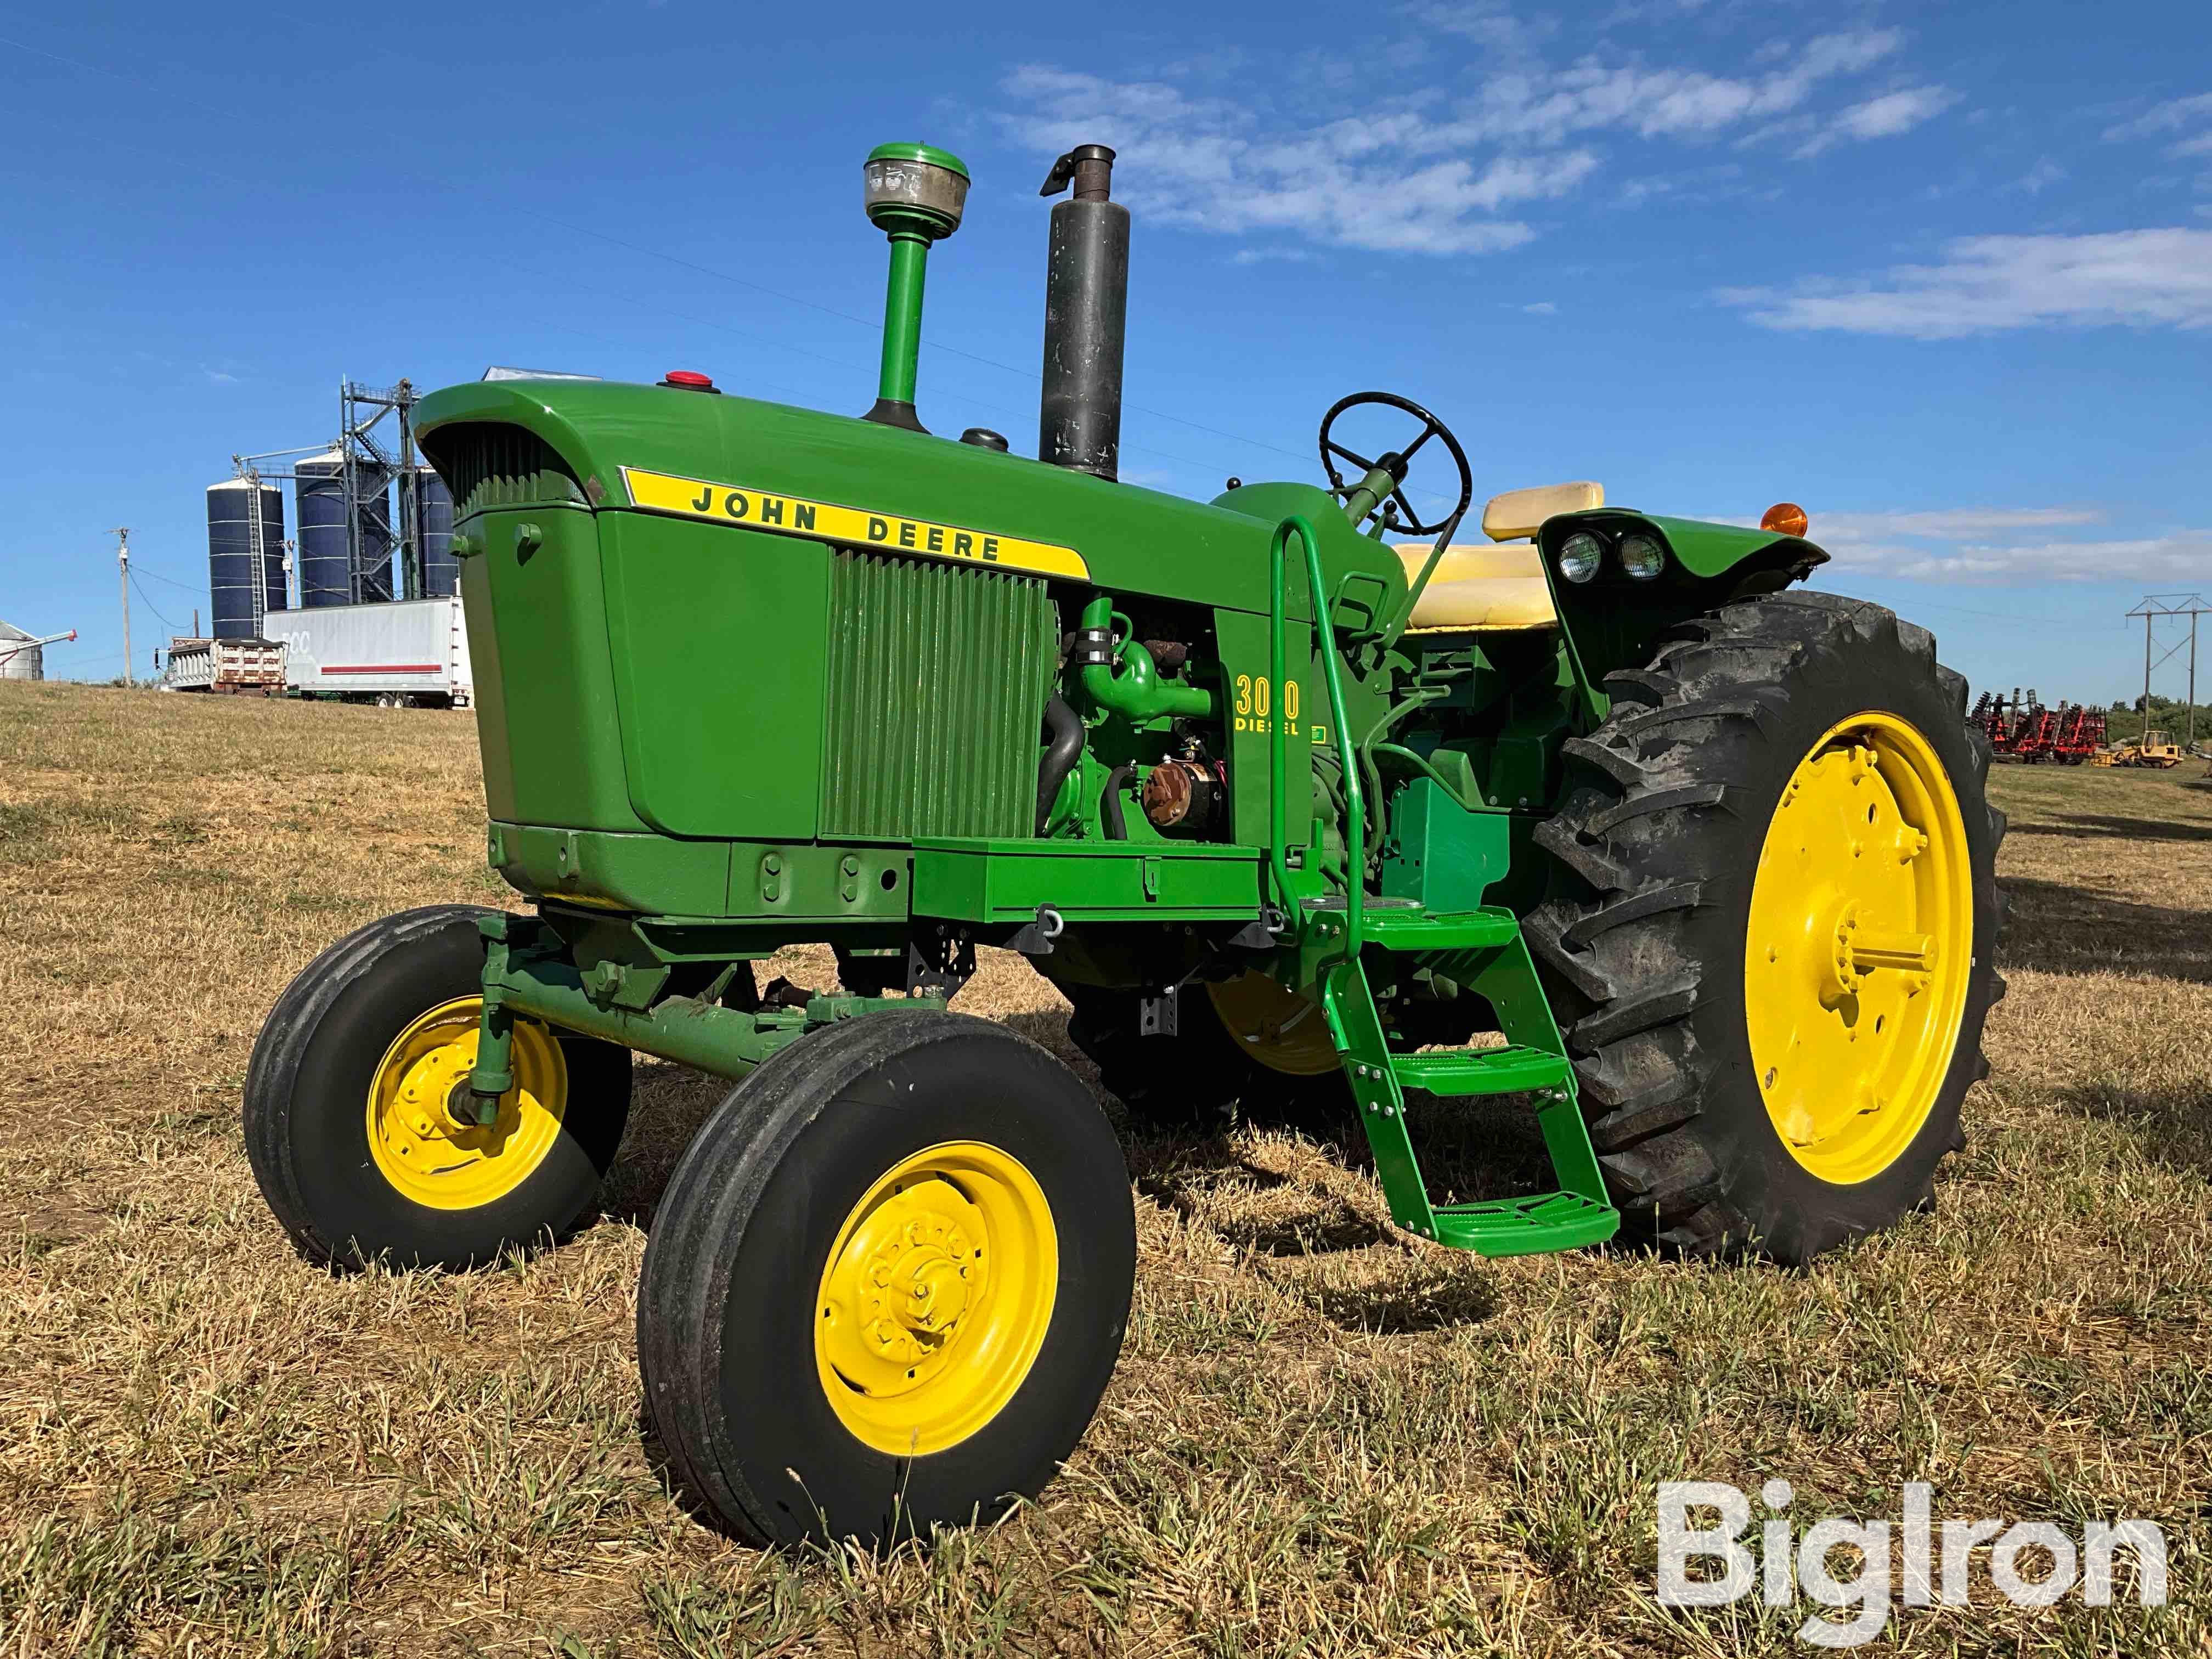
(1774, 945)
(359, 1127)
(887, 1284)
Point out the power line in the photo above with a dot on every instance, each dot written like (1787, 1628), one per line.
(148, 604)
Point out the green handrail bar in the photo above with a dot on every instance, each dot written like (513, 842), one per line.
(1355, 802)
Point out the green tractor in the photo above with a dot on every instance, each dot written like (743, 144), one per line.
(1601, 813)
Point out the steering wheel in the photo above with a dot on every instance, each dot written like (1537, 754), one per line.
(1394, 462)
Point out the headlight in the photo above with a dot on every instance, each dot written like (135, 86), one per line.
(1580, 555)
(1642, 557)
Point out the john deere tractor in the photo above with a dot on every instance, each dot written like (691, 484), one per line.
(1294, 795)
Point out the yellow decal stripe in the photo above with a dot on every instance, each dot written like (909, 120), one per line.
(761, 509)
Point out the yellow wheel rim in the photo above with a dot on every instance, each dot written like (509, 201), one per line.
(936, 1299)
(421, 1132)
(1861, 942)
(1283, 1031)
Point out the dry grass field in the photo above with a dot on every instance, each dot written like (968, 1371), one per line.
(1324, 1438)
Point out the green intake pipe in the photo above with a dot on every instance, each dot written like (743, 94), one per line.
(915, 194)
(1136, 692)
(902, 317)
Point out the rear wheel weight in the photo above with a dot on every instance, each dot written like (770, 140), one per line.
(1657, 949)
(349, 1108)
(817, 1366)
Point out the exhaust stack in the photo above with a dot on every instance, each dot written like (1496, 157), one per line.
(1086, 306)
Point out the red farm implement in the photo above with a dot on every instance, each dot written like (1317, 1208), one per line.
(2081, 734)
(2021, 729)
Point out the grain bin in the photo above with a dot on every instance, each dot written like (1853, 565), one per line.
(19, 661)
(245, 555)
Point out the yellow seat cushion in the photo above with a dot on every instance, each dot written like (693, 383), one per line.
(1478, 586)
(1523, 512)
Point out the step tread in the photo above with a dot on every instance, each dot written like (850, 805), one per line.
(1408, 927)
(1526, 1226)
(1509, 1069)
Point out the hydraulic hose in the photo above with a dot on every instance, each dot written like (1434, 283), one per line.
(1110, 801)
(1062, 752)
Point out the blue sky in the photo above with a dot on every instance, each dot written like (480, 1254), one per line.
(1942, 274)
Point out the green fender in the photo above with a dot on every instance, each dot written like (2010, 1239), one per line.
(1615, 621)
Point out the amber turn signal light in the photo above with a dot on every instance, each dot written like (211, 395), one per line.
(1785, 518)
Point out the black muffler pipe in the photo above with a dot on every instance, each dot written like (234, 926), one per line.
(1087, 309)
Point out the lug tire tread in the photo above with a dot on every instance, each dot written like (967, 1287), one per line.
(1642, 865)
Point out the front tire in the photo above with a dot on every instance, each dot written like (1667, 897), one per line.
(887, 1284)
(348, 1120)
(1774, 945)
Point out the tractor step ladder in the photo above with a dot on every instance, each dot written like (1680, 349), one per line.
(1483, 952)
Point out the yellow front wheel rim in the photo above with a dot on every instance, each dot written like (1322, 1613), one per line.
(936, 1298)
(421, 1132)
(1282, 1030)
(1860, 947)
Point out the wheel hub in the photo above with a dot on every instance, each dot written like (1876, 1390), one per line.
(935, 1297)
(897, 1292)
(1859, 943)
(424, 1134)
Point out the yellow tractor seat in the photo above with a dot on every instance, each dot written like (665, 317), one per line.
(1477, 587)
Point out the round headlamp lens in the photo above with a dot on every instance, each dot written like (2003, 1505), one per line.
(1580, 555)
(1642, 557)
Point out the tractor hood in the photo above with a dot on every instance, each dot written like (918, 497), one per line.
(754, 467)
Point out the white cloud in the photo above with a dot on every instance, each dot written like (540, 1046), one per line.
(1967, 546)
(2200, 145)
(1542, 308)
(1886, 117)
(2040, 177)
(1954, 521)
(218, 377)
(2169, 117)
(2140, 278)
(1653, 103)
(1440, 169)
(1368, 181)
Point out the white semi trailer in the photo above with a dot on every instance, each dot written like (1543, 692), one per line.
(401, 654)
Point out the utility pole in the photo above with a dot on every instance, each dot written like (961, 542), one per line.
(123, 581)
(2192, 738)
(2146, 703)
(2154, 605)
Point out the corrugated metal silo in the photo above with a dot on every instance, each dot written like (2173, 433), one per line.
(275, 593)
(325, 562)
(30, 664)
(245, 555)
(434, 507)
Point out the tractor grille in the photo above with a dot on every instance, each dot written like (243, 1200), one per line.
(937, 680)
(488, 465)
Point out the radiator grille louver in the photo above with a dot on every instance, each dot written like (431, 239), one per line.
(487, 466)
(937, 680)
